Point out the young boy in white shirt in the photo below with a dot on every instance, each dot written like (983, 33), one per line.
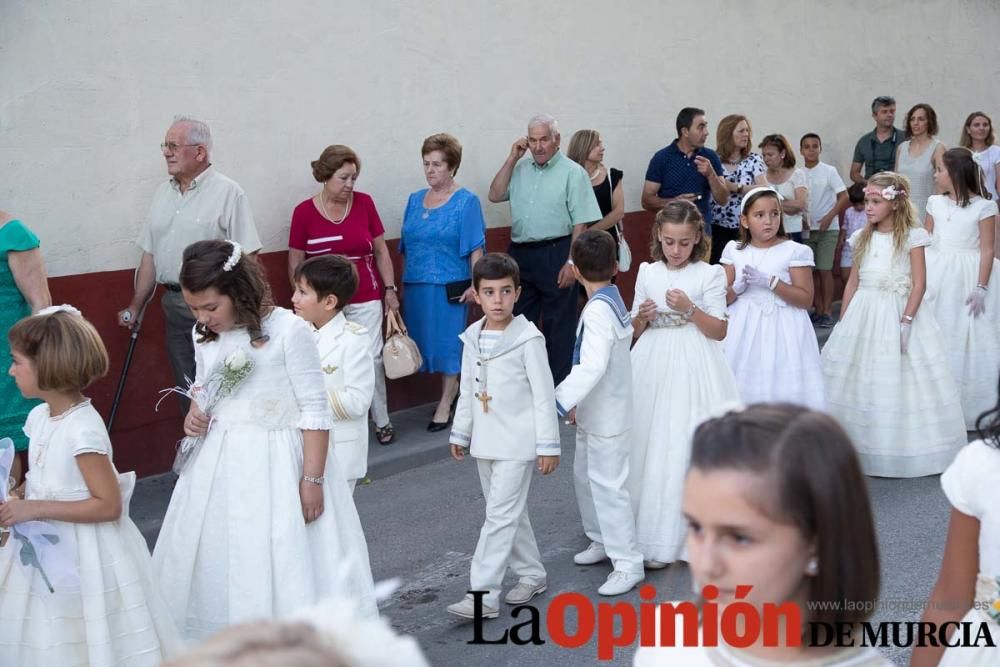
(323, 286)
(506, 418)
(599, 390)
(827, 198)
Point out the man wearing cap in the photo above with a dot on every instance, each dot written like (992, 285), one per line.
(551, 202)
(876, 150)
(196, 203)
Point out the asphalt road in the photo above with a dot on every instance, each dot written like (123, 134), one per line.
(422, 527)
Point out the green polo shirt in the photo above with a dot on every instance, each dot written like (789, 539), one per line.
(877, 155)
(547, 201)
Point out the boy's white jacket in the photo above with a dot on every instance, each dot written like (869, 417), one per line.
(349, 375)
(522, 422)
(600, 384)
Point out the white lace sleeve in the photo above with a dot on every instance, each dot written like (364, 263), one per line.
(37, 414)
(961, 481)
(91, 442)
(303, 366)
(802, 255)
(919, 238)
(715, 292)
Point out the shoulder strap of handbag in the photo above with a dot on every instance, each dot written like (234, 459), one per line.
(611, 187)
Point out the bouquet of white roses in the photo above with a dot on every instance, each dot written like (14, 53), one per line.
(224, 378)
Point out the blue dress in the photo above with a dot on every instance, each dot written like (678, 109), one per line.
(437, 243)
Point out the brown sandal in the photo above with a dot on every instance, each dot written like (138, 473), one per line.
(385, 435)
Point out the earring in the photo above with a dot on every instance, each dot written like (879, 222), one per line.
(812, 567)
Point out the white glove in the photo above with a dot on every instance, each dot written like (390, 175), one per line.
(739, 285)
(976, 301)
(904, 336)
(754, 277)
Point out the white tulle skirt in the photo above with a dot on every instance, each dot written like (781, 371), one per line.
(772, 349)
(234, 545)
(114, 615)
(971, 344)
(679, 379)
(901, 410)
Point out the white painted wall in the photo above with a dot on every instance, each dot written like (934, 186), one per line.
(87, 90)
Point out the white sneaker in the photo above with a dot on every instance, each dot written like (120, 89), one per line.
(654, 564)
(619, 583)
(523, 592)
(466, 608)
(592, 555)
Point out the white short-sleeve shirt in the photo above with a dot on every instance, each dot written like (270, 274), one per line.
(213, 207)
(824, 186)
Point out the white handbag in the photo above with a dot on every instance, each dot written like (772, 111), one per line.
(400, 354)
(624, 252)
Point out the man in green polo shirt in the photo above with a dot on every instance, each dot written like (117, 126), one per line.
(551, 202)
(876, 151)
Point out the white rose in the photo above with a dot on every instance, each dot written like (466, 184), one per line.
(237, 360)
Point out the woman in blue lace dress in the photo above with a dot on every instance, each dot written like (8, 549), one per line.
(442, 237)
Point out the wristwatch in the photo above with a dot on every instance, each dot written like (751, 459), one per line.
(391, 288)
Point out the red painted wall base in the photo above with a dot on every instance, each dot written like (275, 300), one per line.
(143, 438)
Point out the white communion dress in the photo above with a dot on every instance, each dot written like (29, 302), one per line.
(234, 545)
(679, 379)
(771, 345)
(972, 344)
(970, 484)
(902, 411)
(114, 614)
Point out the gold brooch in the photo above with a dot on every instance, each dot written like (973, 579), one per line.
(329, 369)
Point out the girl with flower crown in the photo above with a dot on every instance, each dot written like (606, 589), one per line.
(76, 585)
(888, 380)
(261, 521)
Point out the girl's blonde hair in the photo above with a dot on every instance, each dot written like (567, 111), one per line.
(904, 215)
(66, 350)
(679, 212)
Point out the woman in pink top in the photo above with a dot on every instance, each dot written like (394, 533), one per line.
(340, 221)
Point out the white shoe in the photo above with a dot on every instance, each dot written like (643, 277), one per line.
(523, 592)
(619, 583)
(654, 564)
(592, 555)
(466, 608)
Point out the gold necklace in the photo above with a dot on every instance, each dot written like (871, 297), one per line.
(347, 209)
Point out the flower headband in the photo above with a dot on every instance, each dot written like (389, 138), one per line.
(65, 308)
(234, 257)
(757, 190)
(888, 193)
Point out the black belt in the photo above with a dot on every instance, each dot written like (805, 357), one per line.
(172, 287)
(539, 244)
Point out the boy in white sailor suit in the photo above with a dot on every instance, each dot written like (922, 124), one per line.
(599, 390)
(323, 285)
(506, 416)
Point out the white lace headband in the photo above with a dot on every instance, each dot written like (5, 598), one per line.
(64, 308)
(754, 191)
(234, 257)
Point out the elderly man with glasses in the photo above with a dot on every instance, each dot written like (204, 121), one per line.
(196, 203)
(876, 150)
